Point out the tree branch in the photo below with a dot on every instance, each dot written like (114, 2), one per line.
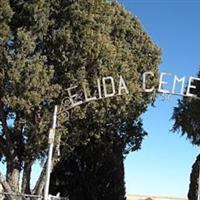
(5, 184)
(41, 181)
(4, 124)
(3, 147)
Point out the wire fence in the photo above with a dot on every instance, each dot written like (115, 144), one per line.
(51, 197)
(19, 196)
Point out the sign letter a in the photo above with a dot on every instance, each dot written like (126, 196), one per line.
(122, 86)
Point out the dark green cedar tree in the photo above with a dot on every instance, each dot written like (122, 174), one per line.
(186, 121)
(46, 46)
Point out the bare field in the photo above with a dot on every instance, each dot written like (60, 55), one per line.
(141, 197)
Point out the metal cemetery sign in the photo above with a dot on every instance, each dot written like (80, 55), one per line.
(187, 87)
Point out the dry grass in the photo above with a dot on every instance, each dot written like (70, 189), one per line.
(140, 197)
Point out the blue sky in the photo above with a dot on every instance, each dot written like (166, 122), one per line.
(163, 165)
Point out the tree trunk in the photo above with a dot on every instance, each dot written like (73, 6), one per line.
(194, 180)
(10, 183)
(39, 187)
(26, 178)
(13, 174)
(6, 186)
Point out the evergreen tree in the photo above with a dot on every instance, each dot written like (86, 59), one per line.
(46, 46)
(26, 88)
(186, 120)
(116, 44)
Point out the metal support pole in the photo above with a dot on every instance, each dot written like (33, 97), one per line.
(50, 154)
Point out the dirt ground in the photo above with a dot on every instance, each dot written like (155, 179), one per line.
(140, 197)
